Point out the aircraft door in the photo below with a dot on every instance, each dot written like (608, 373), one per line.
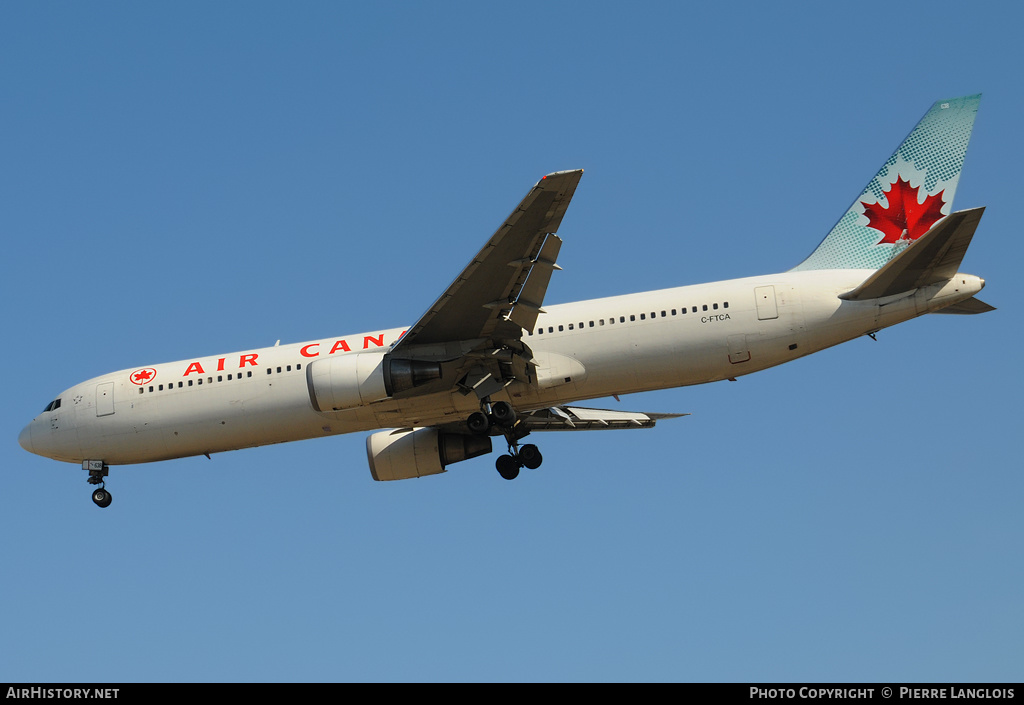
(767, 308)
(105, 399)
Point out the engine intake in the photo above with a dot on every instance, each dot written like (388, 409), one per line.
(416, 452)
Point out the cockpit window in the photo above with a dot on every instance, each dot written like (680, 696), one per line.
(52, 406)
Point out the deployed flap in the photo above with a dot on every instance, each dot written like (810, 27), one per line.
(575, 418)
(971, 305)
(932, 258)
(500, 291)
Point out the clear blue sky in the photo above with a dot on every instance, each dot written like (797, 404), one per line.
(198, 178)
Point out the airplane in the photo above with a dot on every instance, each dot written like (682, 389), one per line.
(489, 360)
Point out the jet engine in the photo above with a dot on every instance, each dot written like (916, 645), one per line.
(346, 381)
(415, 452)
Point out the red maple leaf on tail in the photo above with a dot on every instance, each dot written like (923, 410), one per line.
(904, 213)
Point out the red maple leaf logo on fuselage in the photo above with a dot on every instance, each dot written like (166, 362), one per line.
(142, 376)
(904, 213)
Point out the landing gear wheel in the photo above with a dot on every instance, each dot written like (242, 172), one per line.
(508, 467)
(101, 497)
(530, 457)
(478, 423)
(97, 471)
(503, 413)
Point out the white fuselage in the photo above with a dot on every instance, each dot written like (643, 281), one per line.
(617, 345)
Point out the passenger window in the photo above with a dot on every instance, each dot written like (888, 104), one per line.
(705, 307)
(632, 316)
(714, 306)
(643, 316)
(725, 305)
(561, 328)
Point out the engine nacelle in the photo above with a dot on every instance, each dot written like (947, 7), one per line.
(415, 452)
(346, 381)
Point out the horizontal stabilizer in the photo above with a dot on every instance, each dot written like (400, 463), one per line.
(932, 258)
(575, 418)
(970, 306)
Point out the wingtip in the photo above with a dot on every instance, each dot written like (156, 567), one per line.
(561, 173)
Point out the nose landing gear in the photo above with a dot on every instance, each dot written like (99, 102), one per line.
(97, 471)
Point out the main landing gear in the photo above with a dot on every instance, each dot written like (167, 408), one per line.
(97, 471)
(502, 416)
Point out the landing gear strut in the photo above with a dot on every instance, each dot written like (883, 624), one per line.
(97, 471)
(502, 416)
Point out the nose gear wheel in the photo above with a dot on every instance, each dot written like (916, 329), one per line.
(101, 497)
(97, 471)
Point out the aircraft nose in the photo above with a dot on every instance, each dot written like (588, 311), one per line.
(25, 439)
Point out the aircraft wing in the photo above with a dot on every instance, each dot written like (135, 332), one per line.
(576, 418)
(500, 292)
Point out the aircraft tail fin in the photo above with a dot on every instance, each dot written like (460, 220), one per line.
(912, 191)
